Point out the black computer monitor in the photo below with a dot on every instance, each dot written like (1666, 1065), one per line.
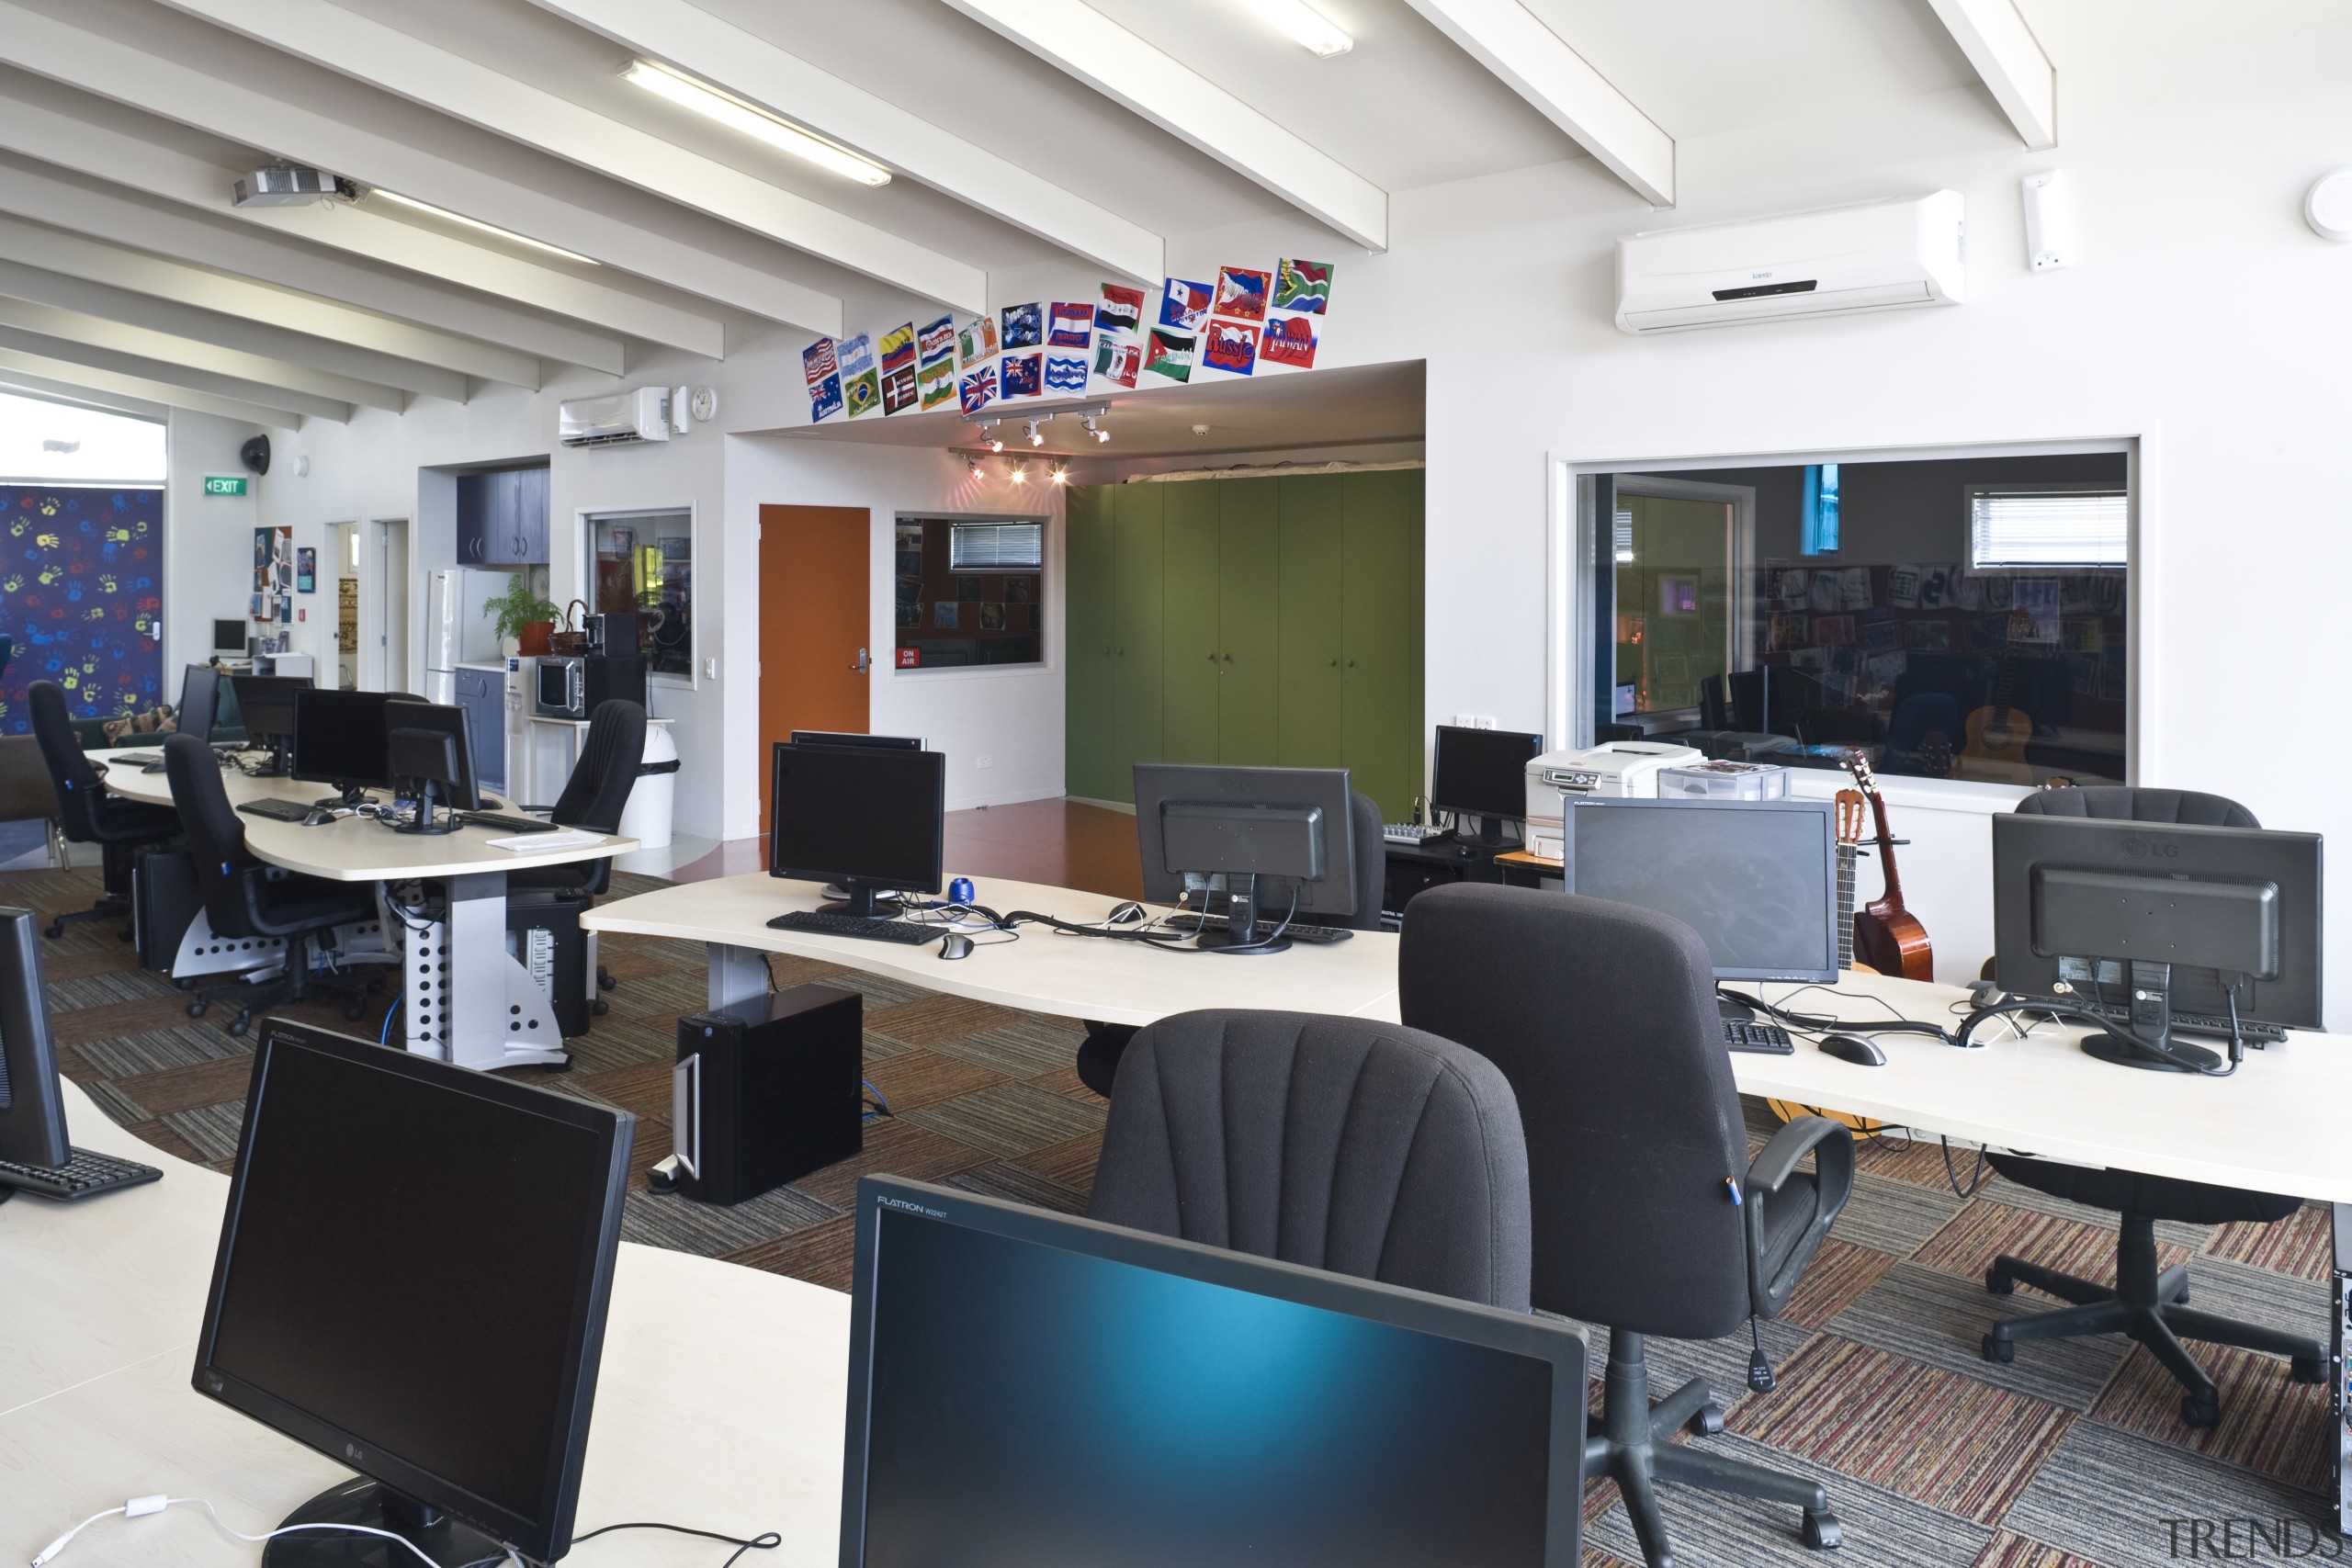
(1249, 843)
(846, 738)
(427, 1307)
(265, 706)
(339, 741)
(200, 701)
(229, 637)
(1757, 879)
(1030, 1387)
(1482, 774)
(430, 757)
(32, 1115)
(2159, 928)
(871, 819)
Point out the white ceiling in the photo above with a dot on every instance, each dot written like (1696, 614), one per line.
(123, 120)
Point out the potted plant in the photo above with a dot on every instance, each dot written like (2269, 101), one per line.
(523, 616)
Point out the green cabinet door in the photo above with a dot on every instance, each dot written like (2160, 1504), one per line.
(1189, 600)
(1381, 692)
(1091, 764)
(1137, 662)
(1308, 633)
(1248, 609)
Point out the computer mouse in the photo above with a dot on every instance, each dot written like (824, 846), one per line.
(955, 944)
(1847, 1048)
(318, 819)
(1126, 915)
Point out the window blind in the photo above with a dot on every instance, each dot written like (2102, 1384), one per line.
(2046, 527)
(996, 546)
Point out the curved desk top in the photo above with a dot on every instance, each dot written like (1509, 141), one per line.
(720, 1403)
(354, 848)
(1114, 982)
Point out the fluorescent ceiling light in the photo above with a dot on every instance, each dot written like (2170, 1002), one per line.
(444, 212)
(751, 120)
(1303, 24)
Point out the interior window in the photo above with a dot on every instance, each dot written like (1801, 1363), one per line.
(970, 591)
(645, 561)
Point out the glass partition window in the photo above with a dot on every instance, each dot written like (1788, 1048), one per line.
(645, 561)
(970, 591)
(1963, 618)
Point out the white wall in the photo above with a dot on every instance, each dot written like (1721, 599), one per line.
(1011, 714)
(208, 539)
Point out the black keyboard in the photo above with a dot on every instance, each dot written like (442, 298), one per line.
(278, 811)
(823, 924)
(512, 824)
(143, 759)
(1299, 931)
(84, 1175)
(1762, 1039)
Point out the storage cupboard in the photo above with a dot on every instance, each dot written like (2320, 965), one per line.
(1268, 622)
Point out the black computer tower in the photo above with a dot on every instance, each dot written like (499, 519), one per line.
(544, 935)
(768, 1090)
(164, 902)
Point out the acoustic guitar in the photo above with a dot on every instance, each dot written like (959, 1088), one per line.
(1851, 809)
(1998, 734)
(1887, 936)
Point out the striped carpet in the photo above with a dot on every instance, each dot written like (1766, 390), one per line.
(2072, 1457)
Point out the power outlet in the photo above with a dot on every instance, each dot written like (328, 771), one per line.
(1473, 721)
(984, 761)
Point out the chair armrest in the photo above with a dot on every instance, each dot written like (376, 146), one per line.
(1832, 1147)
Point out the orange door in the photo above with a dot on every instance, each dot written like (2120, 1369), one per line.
(815, 621)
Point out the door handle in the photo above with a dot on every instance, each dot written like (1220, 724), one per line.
(862, 664)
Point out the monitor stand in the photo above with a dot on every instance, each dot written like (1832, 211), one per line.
(1241, 933)
(426, 822)
(2151, 1019)
(864, 903)
(1489, 835)
(1732, 1012)
(363, 1502)
(353, 795)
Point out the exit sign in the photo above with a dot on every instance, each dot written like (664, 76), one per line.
(224, 484)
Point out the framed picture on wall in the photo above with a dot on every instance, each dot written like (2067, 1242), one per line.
(306, 570)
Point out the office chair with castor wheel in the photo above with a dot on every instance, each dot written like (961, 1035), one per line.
(92, 813)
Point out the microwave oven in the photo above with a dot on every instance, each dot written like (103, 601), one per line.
(569, 686)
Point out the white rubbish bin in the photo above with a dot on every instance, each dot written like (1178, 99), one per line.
(646, 817)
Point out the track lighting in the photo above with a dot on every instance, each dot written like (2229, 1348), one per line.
(1101, 435)
(1060, 473)
(972, 464)
(1018, 467)
(989, 437)
(1036, 436)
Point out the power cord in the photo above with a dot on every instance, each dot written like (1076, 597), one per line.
(138, 1508)
(767, 1540)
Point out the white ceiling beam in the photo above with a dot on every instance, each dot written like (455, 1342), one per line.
(101, 65)
(119, 369)
(169, 349)
(41, 387)
(41, 371)
(1537, 63)
(450, 83)
(136, 272)
(1084, 42)
(254, 254)
(2009, 59)
(39, 286)
(749, 66)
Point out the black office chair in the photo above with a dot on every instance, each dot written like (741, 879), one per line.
(1098, 1053)
(593, 799)
(90, 813)
(1334, 1143)
(245, 898)
(1648, 1215)
(2146, 1302)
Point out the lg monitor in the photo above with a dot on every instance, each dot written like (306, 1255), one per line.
(1757, 879)
(339, 739)
(843, 737)
(870, 818)
(2159, 928)
(199, 702)
(265, 708)
(1482, 774)
(430, 757)
(427, 1310)
(34, 1152)
(1264, 843)
(229, 637)
(1029, 1387)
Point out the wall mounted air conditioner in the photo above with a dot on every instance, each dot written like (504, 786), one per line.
(1878, 255)
(617, 420)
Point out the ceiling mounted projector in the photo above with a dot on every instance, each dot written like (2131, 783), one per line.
(288, 185)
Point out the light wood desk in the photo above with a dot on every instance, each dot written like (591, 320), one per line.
(1072, 976)
(720, 1403)
(481, 980)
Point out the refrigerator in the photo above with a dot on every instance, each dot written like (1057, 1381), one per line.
(457, 629)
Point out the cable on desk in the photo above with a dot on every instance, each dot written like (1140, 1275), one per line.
(767, 1540)
(139, 1506)
(1823, 1023)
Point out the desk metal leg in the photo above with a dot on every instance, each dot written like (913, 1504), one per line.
(468, 999)
(737, 974)
(2340, 1403)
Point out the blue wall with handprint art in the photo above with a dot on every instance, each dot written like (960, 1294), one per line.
(81, 592)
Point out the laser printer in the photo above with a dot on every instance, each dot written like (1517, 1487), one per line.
(1617, 770)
